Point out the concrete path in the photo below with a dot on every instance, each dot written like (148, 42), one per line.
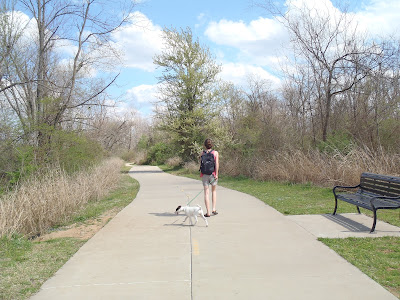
(249, 251)
(344, 225)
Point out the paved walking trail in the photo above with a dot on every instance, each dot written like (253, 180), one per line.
(249, 251)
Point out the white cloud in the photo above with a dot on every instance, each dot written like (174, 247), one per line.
(201, 18)
(142, 97)
(263, 42)
(259, 44)
(66, 48)
(144, 93)
(238, 74)
(123, 109)
(316, 7)
(232, 33)
(139, 41)
(21, 25)
(258, 41)
(380, 17)
(29, 34)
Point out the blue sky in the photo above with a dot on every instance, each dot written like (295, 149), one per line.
(140, 80)
(244, 39)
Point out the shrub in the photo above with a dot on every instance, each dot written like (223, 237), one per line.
(73, 151)
(159, 153)
(337, 142)
(39, 203)
(66, 150)
(128, 156)
(18, 163)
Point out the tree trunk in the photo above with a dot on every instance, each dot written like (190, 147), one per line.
(326, 117)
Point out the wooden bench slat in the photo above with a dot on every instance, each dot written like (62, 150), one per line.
(384, 188)
(381, 177)
(382, 192)
(381, 189)
(381, 184)
(379, 181)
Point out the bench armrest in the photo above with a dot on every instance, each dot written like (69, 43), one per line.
(344, 187)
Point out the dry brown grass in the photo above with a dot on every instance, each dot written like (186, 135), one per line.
(140, 157)
(315, 167)
(174, 161)
(192, 166)
(38, 204)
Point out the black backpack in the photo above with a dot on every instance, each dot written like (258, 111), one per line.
(207, 165)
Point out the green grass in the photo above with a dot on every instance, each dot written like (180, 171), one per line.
(300, 199)
(379, 258)
(288, 198)
(26, 264)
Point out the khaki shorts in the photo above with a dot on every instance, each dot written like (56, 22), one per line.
(208, 179)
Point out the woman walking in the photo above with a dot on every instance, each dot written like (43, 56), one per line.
(209, 167)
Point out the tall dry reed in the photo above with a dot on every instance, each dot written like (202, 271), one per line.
(314, 167)
(38, 204)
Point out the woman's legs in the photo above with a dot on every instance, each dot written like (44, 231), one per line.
(207, 198)
(207, 195)
(214, 197)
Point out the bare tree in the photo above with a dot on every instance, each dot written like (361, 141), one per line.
(328, 43)
(51, 83)
(117, 133)
(11, 30)
(232, 108)
(372, 106)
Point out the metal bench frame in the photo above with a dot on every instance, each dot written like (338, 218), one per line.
(374, 192)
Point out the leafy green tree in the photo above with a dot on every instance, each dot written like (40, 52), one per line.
(187, 97)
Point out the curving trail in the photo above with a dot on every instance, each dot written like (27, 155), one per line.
(249, 251)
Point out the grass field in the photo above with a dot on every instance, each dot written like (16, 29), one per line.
(300, 199)
(379, 258)
(26, 264)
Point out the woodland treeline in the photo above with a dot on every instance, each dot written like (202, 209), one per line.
(335, 115)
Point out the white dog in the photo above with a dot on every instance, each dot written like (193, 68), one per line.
(191, 211)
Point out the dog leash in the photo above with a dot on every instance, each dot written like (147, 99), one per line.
(199, 193)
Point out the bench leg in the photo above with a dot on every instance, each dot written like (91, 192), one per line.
(334, 212)
(358, 209)
(374, 224)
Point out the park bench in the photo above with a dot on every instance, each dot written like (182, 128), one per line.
(374, 192)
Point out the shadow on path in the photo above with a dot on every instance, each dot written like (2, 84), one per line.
(164, 214)
(347, 223)
(146, 172)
